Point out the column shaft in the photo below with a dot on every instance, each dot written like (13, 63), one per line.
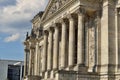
(71, 41)
(36, 59)
(25, 63)
(44, 55)
(80, 39)
(50, 50)
(63, 46)
(30, 63)
(56, 48)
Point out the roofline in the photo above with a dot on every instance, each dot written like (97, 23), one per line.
(45, 11)
(11, 60)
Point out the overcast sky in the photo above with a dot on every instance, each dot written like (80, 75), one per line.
(15, 16)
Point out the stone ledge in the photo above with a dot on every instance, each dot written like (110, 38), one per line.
(30, 77)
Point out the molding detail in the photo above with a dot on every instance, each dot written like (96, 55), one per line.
(56, 5)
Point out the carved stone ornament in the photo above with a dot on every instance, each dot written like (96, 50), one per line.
(92, 1)
(91, 40)
(56, 4)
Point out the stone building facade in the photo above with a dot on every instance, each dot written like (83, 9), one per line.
(74, 40)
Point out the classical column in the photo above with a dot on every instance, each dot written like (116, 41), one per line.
(117, 39)
(80, 39)
(56, 47)
(25, 63)
(71, 41)
(39, 60)
(30, 63)
(36, 58)
(63, 44)
(44, 55)
(50, 49)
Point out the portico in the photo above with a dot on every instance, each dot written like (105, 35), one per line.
(66, 44)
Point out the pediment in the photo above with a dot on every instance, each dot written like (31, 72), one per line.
(52, 7)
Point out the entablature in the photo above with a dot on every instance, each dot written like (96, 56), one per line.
(60, 14)
(67, 9)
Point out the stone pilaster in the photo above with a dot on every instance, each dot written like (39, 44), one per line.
(56, 47)
(44, 55)
(112, 29)
(104, 40)
(50, 50)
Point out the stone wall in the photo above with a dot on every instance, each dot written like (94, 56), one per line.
(74, 75)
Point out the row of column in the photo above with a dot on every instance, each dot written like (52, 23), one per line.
(32, 60)
(28, 62)
(48, 57)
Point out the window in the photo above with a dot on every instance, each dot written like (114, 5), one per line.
(13, 72)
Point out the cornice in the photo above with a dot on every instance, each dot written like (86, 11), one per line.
(37, 17)
(47, 8)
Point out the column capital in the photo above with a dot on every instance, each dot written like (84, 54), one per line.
(45, 32)
(57, 25)
(32, 47)
(37, 43)
(118, 11)
(71, 16)
(80, 11)
(51, 29)
(63, 20)
(26, 50)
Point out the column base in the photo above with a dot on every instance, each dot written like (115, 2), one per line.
(71, 67)
(52, 74)
(90, 69)
(31, 77)
(80, 68)
(43, 74)
(62, 68)
(46, 75)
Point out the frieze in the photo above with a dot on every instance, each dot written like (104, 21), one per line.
(56, 4)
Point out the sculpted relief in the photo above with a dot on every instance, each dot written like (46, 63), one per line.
(91, 45)
(56, 5)
(91, 41)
